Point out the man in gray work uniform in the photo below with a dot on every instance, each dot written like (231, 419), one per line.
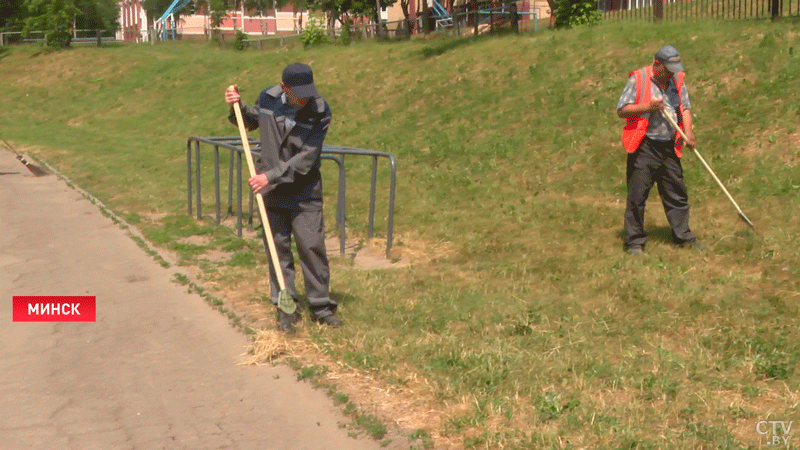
(654, 147)
(293, 119)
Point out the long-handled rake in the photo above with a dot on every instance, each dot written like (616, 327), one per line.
(713, 175)
(285, 301)
(35, 170)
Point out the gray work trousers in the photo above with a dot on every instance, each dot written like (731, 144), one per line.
(656, 162)
(308, 228)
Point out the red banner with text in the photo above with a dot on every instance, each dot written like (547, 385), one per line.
(54, 308)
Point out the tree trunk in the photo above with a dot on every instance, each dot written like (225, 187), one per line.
(378, 27)
(553, 18)
(331, 24)
(426, 26)
(404, 8)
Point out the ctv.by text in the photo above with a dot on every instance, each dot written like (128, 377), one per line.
(777, 431)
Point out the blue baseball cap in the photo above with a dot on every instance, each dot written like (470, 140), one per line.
(300, 78)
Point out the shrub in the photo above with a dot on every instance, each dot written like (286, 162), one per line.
(58, 39)
(240, 42)
(313, 34)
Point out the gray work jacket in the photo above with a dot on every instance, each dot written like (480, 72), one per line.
(290, 148)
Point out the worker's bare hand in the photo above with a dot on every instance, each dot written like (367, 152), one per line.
(655, 105)
(232, 95)
(258, 183)
(690, 141)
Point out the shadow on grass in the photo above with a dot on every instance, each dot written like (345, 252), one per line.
(342, 298)
(46, 51)
(448, 44)
(660, 234)
(110, 45)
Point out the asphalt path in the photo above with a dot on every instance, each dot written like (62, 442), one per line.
(156, 370)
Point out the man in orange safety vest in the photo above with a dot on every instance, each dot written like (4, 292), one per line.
(654, 147)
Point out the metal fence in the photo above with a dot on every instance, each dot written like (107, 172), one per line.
(235, 182)
(79, 37)
(676, 10)
(469, 18)
(289, 40)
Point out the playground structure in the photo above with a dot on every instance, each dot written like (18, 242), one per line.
(443, 17)
(475, 18)
(454, 16)
(165, 26)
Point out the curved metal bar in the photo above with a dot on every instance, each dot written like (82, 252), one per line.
(373, 183)
(197, 176)
(189, 174)
(340, 200)
(230, 184)
(216, 182)
(335, 149)
(331, 152)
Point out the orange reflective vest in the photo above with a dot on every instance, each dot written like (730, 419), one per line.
(634, 131)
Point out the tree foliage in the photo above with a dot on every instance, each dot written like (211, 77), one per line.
(53, 17)
(570, 13)
(217, 12)
(58, 19)
(343, 9)
(12, 14)
(261, 6)
(97, 15)
(266, 5)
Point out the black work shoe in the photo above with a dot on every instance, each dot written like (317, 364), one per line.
(331, 321)
(635, 251)
(286, 321)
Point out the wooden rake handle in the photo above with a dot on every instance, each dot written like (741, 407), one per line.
(259, 198)
(708, 168)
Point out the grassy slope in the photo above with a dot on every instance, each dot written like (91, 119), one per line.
(526, 326)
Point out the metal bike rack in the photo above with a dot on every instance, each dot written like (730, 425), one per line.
(234, 145)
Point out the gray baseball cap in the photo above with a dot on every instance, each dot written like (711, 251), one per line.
(671, 58)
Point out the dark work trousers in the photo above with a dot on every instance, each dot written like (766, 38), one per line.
(308, 228)
(656, 162)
